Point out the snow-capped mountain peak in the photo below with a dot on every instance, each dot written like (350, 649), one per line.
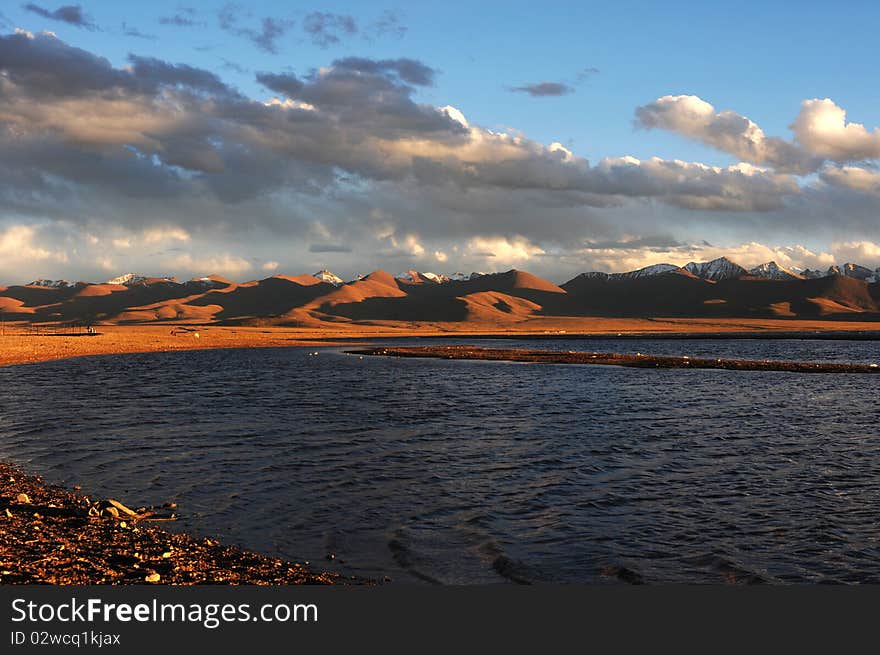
(773, 271)
(464, 277)
(852, 270)
(51, 284)
(328, 276)
(723, 268)
(438, 278)
(647, 271)
(135, 280)
(128, 280)
(422, 276)
(717, 269)
(638, 274)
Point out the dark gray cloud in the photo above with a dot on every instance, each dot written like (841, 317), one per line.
(70, 14)
(46, 66)
(181, 21)
(555, 89)
(390, 23)
(231, 18)
(650, 242)
(286, 84)
(326, 29)
(408, 70)
(135, 33)
(271, 29)
(151, 73)
(329, 247)
(372, 94)
(543, 89)
(185, 17)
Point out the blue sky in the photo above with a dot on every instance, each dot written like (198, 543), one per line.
(760, 60)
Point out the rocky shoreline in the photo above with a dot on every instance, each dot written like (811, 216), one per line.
(49, 535)
(637, 360)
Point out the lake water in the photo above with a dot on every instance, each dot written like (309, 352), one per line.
(480, 472)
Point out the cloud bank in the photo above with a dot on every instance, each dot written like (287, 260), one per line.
(346, 165)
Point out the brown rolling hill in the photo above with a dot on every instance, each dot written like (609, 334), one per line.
(673, 294)
(272, 297)
(492, 300)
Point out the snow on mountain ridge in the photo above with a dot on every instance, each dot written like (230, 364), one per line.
(723, 268)
(438, 278)
(50, 284)
(773, 271)
(718, 269)
(422, 276)
(647, 271)
(128, 280)
(852, 270)
(134, 280)
(328, 276)
(464, 277)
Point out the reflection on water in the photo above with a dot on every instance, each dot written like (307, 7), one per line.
(473, 472)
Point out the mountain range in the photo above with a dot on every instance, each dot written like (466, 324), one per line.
(719, 288)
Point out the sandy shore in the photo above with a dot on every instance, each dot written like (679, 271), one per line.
(18, 345)
(612, 359)
(49, 535)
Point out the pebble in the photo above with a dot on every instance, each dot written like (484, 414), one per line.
(153, 577)
(23, 498)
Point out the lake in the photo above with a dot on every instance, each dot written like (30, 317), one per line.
(465, 472)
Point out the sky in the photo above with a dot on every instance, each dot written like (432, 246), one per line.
(260, 138)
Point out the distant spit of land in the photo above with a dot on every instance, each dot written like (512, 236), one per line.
(637, 360)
